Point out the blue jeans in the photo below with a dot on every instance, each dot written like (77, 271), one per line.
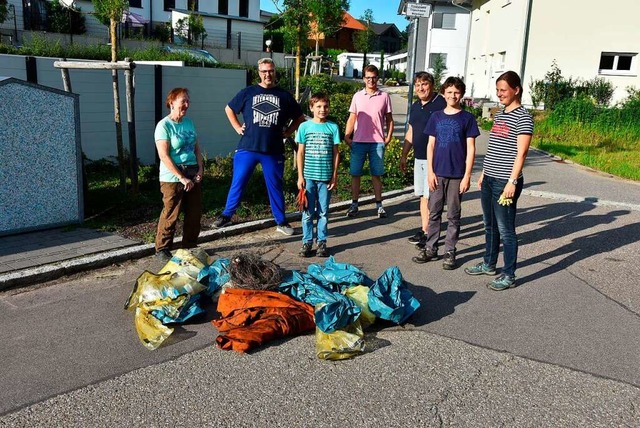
(318, 197)
(499, 223)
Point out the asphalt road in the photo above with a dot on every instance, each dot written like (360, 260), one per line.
(562, 349)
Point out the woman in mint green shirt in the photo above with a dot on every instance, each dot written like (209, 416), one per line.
(181, 170)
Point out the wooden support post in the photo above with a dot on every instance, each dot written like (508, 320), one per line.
(131, 124)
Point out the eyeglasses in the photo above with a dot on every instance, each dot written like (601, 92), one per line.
(267, 71)
(371, 78)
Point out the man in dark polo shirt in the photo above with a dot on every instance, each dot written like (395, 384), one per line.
(427, 103)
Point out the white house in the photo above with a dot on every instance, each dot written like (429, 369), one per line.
(585, 39)
(352, 63)
(444, 32)
(230, 24)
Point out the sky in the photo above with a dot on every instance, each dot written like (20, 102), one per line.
(383, 10)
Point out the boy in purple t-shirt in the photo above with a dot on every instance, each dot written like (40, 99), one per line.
(450, 153)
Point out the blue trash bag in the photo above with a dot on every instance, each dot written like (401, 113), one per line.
(390, 299)
(333, 310)
(339, 274)
(190, 309)
(215, 275)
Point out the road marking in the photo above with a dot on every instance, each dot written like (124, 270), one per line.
(581, 199)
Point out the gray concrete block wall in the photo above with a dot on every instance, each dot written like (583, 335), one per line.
(211, 89)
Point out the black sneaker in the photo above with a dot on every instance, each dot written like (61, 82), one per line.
(164, 255)
(222, 221)
(322, 249)
(422, 243)
(305, 251)
(415, 239)
(353, 210)
(449, 260)
(425, 255)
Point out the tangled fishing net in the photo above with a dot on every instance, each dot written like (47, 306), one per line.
(249, 271)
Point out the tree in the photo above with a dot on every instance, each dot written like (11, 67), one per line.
(3, 10)
(328, 18)
(298, 15)
(191, 28)
(405, 37)
(363, 40)
(439, 68)
(110, 12)
(67, 20)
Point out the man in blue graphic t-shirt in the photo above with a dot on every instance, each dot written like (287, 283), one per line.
(266, 110)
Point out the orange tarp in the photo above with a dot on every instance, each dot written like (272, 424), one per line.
(250, 318)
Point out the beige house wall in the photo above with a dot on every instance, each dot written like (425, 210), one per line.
(573, 32)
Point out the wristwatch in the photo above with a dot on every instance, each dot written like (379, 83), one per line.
(514, 181)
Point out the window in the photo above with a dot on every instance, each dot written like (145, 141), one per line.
(444, 20)
(434, 56)
(135, 3)
(223, 7)
(169, 4)
(244, 8)
(193, 5)
(500, 60)
(617, 63)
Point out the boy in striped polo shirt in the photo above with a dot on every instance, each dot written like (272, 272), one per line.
(317, 161)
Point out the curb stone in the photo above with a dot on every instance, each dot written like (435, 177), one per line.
(49, 272)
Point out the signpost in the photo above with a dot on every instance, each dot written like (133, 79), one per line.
(414, 10)
(418, 10)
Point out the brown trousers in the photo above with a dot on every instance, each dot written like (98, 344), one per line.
(174, 199)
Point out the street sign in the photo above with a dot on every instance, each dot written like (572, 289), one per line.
(419, 10)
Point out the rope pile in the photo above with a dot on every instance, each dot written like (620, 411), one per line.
(249, 271)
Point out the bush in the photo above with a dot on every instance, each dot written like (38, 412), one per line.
(339, 112)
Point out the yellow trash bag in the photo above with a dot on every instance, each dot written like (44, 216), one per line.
(360, 295)
(189, 262)
(341, 344)
(160, 298)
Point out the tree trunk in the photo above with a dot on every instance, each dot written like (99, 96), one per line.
(116, 108)
(298, 53)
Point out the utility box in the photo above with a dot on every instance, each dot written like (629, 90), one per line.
(41, 173)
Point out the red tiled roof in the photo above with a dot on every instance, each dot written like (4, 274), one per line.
(351, 22)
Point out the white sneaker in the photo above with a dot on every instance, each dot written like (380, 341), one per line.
(285, 229)
(382, 213)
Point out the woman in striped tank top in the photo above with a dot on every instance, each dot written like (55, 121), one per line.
(501, 181)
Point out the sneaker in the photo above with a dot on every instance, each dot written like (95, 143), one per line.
(425, 255)
(449, 260)
(322, 249)
(422, 243)
(222, 221)
(305, 251)
(382, 213)
(353, 210)
(415, 239)
(285, 229)
(502, 283)
(480, 269)
(164, 255)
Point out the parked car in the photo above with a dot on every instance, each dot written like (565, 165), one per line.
(199, 55)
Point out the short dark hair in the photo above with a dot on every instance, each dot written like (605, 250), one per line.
(513, 80)
(371, 69)
(454, 81)
(175, 93)
(423, 76)
(318, 96)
